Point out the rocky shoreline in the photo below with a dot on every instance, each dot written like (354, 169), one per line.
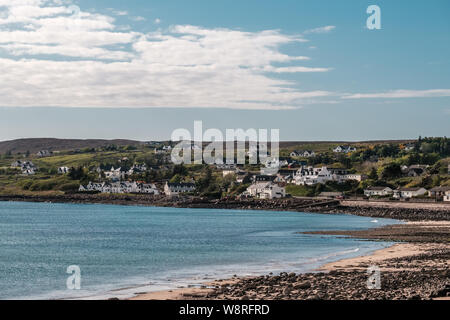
(416, 269)
(349, 284)
(406, 214)
(419, 212)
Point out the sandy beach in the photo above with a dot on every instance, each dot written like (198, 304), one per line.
(417, 268)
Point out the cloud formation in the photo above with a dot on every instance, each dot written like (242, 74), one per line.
(394, 94)
(324, 29)
(54, 54)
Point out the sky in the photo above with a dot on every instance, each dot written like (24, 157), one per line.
(141, 69)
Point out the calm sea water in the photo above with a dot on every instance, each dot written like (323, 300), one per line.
(122, 250)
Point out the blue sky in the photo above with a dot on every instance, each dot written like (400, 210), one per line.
(140, 69)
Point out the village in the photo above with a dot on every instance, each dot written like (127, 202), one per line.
(296, 172)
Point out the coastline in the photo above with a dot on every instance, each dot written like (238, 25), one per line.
(419, 239)
(407, 211)
(409, 270)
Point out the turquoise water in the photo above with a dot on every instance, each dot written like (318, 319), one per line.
(137, 249)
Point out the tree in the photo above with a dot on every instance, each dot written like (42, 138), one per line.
(176, 179)
(227, 181)
(392, 170)
(373, 174)
(205, 182)
(180, 169)
(77, 173)
(426, 182)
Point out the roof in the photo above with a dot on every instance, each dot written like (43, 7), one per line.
(286, 172)
(262, 177)
(376, 188)
(418, 166)
(181, 184)
(444, 188)
(260, 185)
(411, 189)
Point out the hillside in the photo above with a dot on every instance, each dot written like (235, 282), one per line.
(36, 144)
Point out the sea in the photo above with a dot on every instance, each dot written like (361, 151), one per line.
(100, 251)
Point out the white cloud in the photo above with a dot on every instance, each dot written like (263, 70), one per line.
(401, 94)
(295, 69)
(325, 29)
(121, 13)
(100, 64)
(138, 18)
(157, 21)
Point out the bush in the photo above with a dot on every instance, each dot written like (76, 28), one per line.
(300, 191)
(42, 185)
(26, 184)
(69, 187)
(392, 170)
(212, 195)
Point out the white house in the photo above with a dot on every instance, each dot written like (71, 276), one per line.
(447, 196)
(23, 165)
(303, 153)
(28, 172)
(120, 187)
(409, 146)
(44, 153)
(308, 154)
(438, 192)
(283, 178)
(92, 186)
(409, 192)
(226, 166)
(172, 189)
(149, 188)
(311, 176)
(344, 149)
(63, 170)
(275, 162)
(377, 191)
(115, 174)
(266, 190)
(16, 164)
(27, 167)
(228, 172)
(350, 176)
(137, 168)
